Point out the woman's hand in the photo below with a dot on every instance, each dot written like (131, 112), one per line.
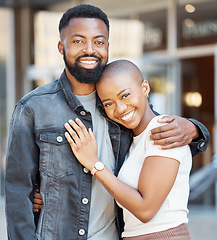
(177, 132)
(82, 142)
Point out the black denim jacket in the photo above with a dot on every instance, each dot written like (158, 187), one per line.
(37, 147)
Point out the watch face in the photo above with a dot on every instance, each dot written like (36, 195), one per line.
(99, 165)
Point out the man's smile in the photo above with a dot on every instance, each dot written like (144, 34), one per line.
(88, 62)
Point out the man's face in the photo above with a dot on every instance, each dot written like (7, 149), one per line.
(84, 45)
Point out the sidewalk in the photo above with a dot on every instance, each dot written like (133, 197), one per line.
(3, 235)
(202, 222)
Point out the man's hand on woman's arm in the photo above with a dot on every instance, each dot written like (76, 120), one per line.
(179, 132)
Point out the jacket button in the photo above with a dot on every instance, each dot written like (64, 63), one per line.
(83, 113)
(202, 144)
(86, 170)
(81, 232)
(59, 139)
(85, 201)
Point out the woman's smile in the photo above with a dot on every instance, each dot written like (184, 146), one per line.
(126, 117)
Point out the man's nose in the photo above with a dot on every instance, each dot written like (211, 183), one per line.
(89, 48)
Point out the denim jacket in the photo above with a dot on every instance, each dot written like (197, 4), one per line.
(37, 147)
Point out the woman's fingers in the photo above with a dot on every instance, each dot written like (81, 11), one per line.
(78, 136)
(81, 125)
(76, 129)
(71, 132)
(70, 140)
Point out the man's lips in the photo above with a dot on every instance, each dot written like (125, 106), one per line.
(89, 62)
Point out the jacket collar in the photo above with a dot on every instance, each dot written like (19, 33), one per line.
(73, 101)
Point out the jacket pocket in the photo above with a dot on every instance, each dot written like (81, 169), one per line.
(56, 157)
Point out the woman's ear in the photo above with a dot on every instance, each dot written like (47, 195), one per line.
(146, 87)
(60, 47)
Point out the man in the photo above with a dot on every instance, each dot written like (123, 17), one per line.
(75, 205)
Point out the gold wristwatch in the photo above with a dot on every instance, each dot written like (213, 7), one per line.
(99, 166)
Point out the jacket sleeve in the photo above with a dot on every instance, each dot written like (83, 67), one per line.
(201, 143)
(20, 177)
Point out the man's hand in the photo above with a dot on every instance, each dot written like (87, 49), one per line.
(177, 133)
(37, 201)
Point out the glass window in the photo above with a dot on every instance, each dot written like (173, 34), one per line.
(48, 61)
(162, 75)
(197, 23)
(155, 30)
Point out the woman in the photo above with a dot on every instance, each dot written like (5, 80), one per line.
(152, 185)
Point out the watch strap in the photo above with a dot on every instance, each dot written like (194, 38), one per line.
(93, 171)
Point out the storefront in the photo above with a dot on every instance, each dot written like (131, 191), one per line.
(173, 42)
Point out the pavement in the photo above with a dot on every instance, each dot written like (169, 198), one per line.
(202, 222)
(3, 235)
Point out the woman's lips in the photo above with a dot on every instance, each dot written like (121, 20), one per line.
(128, 116)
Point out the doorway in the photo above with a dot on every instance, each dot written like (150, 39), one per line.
(198, 98)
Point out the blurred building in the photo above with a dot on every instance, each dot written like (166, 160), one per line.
(174, 43)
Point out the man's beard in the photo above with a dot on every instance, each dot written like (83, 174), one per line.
(83, 75)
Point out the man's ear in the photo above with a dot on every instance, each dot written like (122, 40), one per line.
(108, 49)
(145, 87)
(60, 47)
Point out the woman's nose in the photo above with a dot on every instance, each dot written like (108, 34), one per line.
(120, 107)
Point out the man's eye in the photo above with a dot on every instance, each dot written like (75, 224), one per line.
(125, 95)
(108, 104)
(99, 42)
(77, 41)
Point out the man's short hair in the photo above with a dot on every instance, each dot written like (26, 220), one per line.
(83, 11)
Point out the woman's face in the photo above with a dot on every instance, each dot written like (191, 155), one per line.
(124, 100)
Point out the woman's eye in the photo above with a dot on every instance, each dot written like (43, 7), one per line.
(125, 95)
(108, 104)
